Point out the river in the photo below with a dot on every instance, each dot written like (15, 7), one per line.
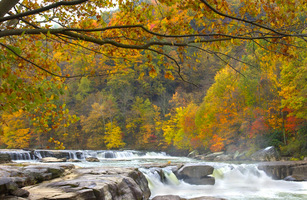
(232, 181)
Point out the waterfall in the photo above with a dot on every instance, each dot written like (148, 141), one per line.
(20, 155)
(24, 155)
(233, 182)
(170, 177)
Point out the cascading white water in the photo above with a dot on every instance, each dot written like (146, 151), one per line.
(20, 155)
(233, 182)
(24, 155)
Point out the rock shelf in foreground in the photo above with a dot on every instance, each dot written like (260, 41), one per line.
(66, 182)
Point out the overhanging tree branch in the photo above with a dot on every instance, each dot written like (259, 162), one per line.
(68, 32)
(36, 11)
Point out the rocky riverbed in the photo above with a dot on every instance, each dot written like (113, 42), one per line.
(54, 181)
(65, 181)
(62, 180)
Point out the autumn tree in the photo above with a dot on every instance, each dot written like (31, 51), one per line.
(152, 38)
(138, 27)
(16, 132)
(144, 124)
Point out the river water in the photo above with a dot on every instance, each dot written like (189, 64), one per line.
(233, 181)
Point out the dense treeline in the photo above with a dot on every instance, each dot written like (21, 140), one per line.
(238, 95)
(245, 107)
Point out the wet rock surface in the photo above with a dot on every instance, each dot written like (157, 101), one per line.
(196, 174)
(195, 171)
(66, 182)
(95, 183)
(15, 177)
(281, 169)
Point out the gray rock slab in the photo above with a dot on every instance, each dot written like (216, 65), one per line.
(94, 183)
(282, 169)
(195, 171)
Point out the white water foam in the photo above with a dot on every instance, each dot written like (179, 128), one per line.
(238, 182)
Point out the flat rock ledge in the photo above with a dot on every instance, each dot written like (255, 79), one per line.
(72, 183)
(287, 170)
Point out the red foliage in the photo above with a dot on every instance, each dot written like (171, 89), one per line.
(258, 127)
(291, 122)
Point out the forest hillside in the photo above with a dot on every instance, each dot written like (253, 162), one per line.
(171, 76)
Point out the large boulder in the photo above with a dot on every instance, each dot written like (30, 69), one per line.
(195, 171)
(196, 174)
(267, 154)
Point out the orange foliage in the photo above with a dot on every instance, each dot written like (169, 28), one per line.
(217, 143)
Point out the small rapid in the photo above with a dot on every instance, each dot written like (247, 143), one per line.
(28, 155)
(232, 182)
